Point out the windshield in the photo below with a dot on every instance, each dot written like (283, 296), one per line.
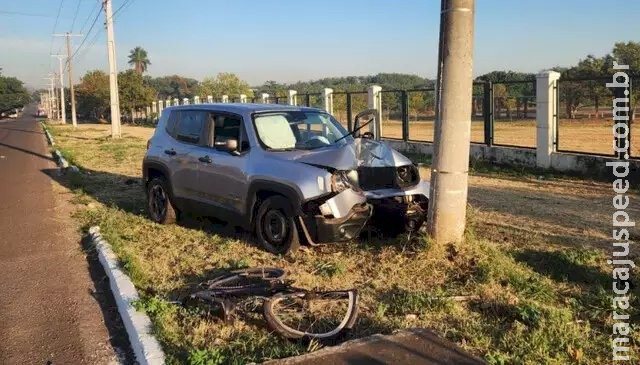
(298, 130)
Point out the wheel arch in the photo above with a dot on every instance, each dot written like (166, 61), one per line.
(260, 190)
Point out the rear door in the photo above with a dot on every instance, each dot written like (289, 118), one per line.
(189, 135)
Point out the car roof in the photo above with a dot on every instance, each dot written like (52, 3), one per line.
(243, 107)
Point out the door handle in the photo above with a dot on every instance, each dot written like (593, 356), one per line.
(205, 159)
(170, 152)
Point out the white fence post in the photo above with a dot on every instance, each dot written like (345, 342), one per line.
(374, 100)
(176, 101)
(264, 98)
(292, 98)
(327, 100)
(225, 98)
(160, 107)
(154, 107)
(243, 98)
(196, 99)
(147, 113)
(185, 101)
(210, 99)
(545, 110)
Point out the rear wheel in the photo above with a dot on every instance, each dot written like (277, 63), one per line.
(323, 316)
(275, 226)
(159, 204)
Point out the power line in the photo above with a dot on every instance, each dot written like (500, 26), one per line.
(55, 25)
(24, 14)
(87, 35)
(86, 21)
(73, 23)
(123, 7)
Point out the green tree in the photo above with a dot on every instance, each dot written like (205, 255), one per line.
(139, 59)
(92, 95)
(13, 94)
(627, 54)
(173, 86)
(133, 93)
(224, 84)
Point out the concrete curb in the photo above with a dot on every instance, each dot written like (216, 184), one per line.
(49, 136)
(145, 346)
(60, 160)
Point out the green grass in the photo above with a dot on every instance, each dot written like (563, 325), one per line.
(521, 304)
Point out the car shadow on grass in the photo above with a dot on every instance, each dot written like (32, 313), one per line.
(127, 194)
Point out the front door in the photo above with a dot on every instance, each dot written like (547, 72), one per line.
(222, 178)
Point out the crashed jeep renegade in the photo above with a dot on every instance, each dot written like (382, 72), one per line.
(289, 173)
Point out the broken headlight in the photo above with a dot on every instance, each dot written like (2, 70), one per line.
(343, 180)
(407, 175)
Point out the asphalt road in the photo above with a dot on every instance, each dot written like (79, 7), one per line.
(50, 308)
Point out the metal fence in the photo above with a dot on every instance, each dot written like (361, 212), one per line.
(584, 117)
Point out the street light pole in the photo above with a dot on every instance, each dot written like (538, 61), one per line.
(449, 172)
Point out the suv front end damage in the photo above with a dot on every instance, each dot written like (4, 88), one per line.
(337, 218)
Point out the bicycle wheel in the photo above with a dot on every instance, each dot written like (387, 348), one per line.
(323, 316)
(247, 278)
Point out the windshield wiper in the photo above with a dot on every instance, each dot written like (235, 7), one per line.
(353, 131)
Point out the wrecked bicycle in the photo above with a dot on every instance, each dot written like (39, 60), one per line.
(293, 313)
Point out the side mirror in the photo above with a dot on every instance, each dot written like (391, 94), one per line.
(363, 117)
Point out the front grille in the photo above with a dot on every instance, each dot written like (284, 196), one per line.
(374, 178)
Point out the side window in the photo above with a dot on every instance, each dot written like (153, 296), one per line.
(190, 127)
(172, 122)
(225, 127)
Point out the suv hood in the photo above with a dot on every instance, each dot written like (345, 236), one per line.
(360, 152)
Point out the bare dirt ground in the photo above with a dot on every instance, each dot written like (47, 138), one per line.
(580, 135)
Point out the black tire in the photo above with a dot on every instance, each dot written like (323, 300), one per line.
(275, 226)
(330, 333)
(159, 206)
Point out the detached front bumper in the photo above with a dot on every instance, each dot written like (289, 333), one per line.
(337, 219)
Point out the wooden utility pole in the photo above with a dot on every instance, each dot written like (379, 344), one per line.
(449, 172)
(113, 72)
(67, 35)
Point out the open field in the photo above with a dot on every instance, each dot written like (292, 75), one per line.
(532, 267)
(580, 135)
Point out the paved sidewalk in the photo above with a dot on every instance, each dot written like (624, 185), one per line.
(415, 347)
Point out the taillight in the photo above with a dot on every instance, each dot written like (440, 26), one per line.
(148, 144)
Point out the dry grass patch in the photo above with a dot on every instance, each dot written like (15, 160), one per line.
(531, 270)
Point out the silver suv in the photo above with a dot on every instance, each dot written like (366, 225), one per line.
(289, 173)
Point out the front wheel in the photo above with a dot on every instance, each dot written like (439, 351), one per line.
(323, 316)
(275, 226)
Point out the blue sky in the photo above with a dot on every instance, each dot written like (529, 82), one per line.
(291, 40)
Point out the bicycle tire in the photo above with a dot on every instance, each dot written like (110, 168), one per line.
(252, 278)
(345, 325)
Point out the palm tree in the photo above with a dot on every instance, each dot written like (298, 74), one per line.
(139, 60)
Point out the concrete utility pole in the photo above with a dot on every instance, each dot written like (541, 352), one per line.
(68, 35)
(51, 112)
(113, 72)
(449, 172)
(63, 109)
